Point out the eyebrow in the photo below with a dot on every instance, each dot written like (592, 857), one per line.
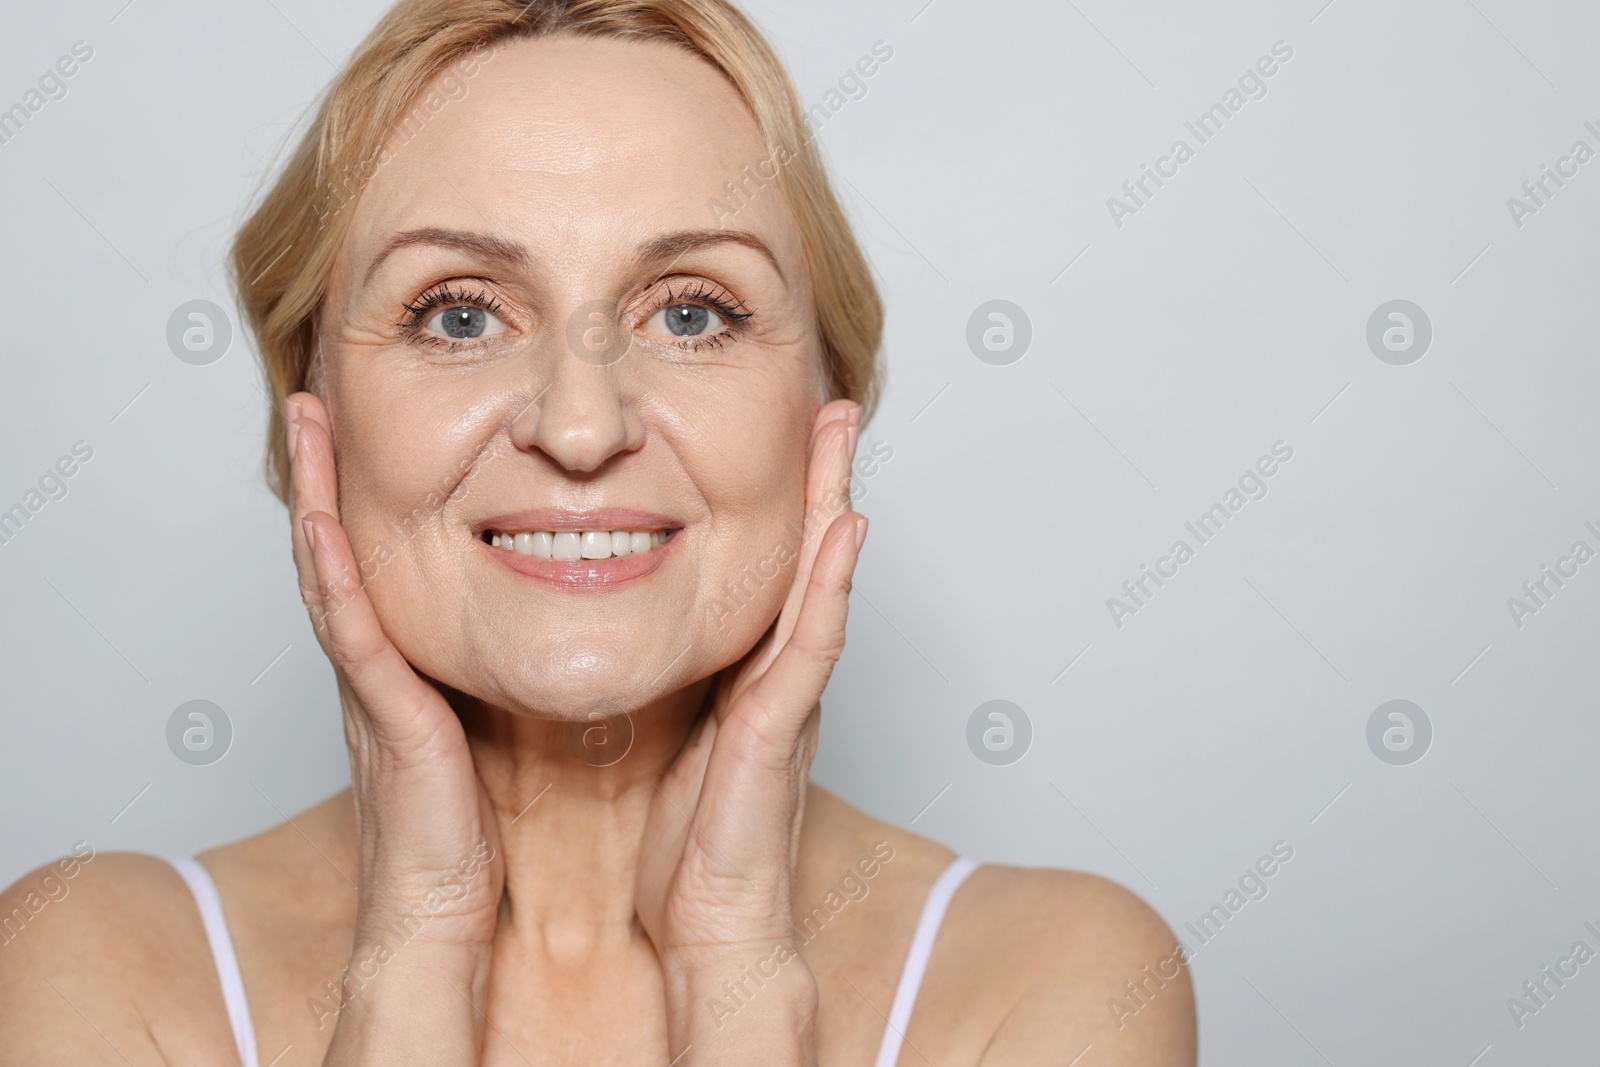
(483, 246)
(680, 243)
(671, 246)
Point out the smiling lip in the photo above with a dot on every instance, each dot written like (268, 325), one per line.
(579, 574)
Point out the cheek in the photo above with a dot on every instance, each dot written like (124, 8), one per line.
(382, 471)
(407, 457)
(401, 433)
(748, 454)
(753, 480)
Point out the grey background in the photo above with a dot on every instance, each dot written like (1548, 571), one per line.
(1227, 314)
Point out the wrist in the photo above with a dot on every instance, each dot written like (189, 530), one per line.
(385, 970)
(395, 1002)
(406, 909)
(758, 1000)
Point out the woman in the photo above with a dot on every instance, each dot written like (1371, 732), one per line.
(571, 346)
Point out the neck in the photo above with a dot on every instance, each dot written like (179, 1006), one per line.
(569, 800)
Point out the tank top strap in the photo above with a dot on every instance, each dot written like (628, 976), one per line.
(905, 994)
(227, 964)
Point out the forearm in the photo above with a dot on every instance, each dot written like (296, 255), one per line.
(759, 1008)
(409, 1003)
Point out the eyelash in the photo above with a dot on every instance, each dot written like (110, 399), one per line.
(698, 292)
(436, 298)
(717, 299)
(439, 296)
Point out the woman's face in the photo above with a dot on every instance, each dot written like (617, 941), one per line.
(537, 325)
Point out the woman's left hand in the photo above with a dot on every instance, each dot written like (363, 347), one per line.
(716, 872)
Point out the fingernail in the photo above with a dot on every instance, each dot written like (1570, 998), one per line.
(861, 532)
(293, 432)
(311, 532)
(291, 409)
(851, 439)
(855, 414)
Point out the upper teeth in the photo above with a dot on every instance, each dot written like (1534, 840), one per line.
(575, 544)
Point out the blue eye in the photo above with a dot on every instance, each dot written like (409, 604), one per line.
(445, 316)
(465, 323)
(687, 320)
(700, 314)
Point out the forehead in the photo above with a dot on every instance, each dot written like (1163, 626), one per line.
(574, 146)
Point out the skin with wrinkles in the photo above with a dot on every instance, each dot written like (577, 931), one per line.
(714, 439)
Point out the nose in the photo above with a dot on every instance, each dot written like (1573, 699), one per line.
(582, 415)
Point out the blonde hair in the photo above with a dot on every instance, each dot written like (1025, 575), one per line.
(283, 254)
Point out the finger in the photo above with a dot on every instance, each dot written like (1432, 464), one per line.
(682, 783)
(829, 412)
(827, 495)
(677, 797)
(394, 698)
(312, 488)
(785, 696)
(828, 460)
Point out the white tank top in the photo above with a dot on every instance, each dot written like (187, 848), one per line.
(905, 994)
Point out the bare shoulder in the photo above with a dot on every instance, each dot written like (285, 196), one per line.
(91, 946)
(1083, 963)
(1030, 965)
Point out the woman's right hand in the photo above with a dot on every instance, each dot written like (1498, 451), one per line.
(427, 848)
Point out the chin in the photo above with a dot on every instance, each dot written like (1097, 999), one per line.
(528, 670)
